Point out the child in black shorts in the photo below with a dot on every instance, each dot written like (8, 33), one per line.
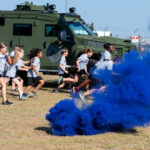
(33, 76)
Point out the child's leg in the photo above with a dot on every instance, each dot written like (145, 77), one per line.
(41, 83)
(3, 86)
(21, 81)
(89, 92)
(101, 90)
(73, 80)
(20, 88)
(61, 86)
(13, 85)
(70, 85)
(83, 84)
(27, 89)
(30, 82)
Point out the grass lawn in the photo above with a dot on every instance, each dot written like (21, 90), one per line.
(23, 127)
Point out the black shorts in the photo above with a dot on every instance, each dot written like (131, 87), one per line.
(33, 81)
(82, 72)
(73, 71)
(11, 78)
(65, 75)
(1, 76)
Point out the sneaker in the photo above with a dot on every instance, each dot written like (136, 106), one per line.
(13, 90)
(60, 80)
(75, 90)
(34, 94)
(7, 103)
(25, 94)
(55, 91)
(23, 97)
(82, 96)
(69, 90)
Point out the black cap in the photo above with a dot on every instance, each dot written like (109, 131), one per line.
(52, 7)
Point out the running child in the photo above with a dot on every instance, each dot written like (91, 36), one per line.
(62, 72)
(12, 54)
(33, 76)
(11, 74)
(82, 62)
(4, 57)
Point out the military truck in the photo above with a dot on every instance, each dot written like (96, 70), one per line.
(30, 26)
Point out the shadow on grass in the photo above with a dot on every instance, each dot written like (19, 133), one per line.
(45, 129)
(131, 131)
(52, 84)
(49, 83)
(13, 94)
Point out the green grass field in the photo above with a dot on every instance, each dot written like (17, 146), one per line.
(23, 127)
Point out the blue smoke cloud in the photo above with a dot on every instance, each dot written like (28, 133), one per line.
(124, 105)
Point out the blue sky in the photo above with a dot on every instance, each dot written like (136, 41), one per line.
(122, 17)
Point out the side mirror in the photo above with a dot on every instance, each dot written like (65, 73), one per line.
(63, 36)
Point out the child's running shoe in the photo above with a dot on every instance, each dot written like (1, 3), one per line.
(23, 97)
(13, 90)
(82, 96)
(7, 103)
(34, 94)
(75, 90)
(55, 91)
(60, 81)
(70, 90)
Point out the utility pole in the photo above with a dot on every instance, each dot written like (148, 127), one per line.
(66, 5)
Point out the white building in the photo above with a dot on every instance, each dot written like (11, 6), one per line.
(104, 33)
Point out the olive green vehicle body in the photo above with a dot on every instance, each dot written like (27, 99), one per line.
(39, 22)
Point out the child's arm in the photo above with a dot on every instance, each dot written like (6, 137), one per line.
(27, 62)
(37, 73)
(22, 69)
(26, 67)
(63, 69)
(9, 58)
(68, 66)
(86, 71)
(78, 65)
(7, 64)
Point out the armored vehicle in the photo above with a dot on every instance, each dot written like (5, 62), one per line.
(30, 26)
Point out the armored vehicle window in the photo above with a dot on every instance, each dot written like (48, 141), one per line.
(52, 30)
(22, 29)
(2, 21)
(78, 28)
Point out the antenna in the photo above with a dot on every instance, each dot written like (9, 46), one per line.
(136, 30)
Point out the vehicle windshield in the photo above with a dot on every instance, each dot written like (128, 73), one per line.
(89, 29)
(80, 29)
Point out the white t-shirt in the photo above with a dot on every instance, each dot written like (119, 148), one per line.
(12, 69)
(105, 61)
(83, 61)
(12, 54)
(37, 64)
(63, 63)
(3, 60)
(106, 56)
